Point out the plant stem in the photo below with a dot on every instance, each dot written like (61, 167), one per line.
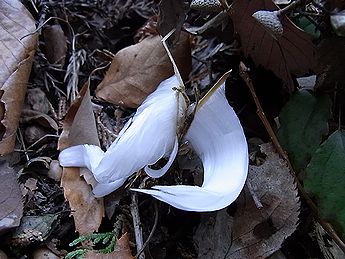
(137, 224)
(152, 231)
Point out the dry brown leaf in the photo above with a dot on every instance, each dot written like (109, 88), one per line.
(16, 55)
(328, 247)
(55, 44)
(36, 117)
(80, 128)
(292, 53)
(258, 233)
(213, 235)
(122, 251)
(10, 198)
(137, 70)
(3, 255)
(37, 100)
(330, 60)
(172, 14)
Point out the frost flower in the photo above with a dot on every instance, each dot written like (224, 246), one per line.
(216, 136)
(218, 139)
(149, 136)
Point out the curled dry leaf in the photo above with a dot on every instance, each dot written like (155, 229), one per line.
(36, 117)
(10, 198)
(80, 128)
(16, 54)
(258, 233)
(291, 53)
(122, 251)
(137, 70)
(37, 125)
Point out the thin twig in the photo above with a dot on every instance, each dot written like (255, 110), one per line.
(20, 135)
(244, 74)
(41, 26)
(152, 230)
(326, 226)
(138, 233)
(42, 138)
(176, 71)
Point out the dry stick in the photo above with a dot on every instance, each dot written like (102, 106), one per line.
(152, 231)
(137, 224)
(243, 71)
(23, 144)
(42, 138)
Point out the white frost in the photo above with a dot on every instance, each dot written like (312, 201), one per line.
(218, 139)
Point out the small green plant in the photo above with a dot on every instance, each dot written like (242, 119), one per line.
(107, 239)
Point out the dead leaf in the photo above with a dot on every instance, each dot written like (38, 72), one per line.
(80, 128)
(292, 53)
(258, 233)
(16, 55)
(37, 100)
(31, 184)
(56, 44)
(36, 117)
(10, 198)
(35, 229)
(328, 247)
(122, 251)
(213, 235)
(148, 29)
(87, 210)
(137, 70)
(44, 253)
(253, 232)
(330, 59)
(3, 255)
(55, 171)
(172, 14)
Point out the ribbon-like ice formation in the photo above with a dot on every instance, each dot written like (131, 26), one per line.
(215, 134)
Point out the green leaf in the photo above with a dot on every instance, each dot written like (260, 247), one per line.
(303, 123)
(325, 179)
